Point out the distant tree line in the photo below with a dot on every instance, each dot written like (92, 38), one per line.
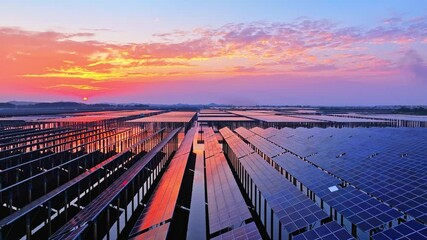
(413, 111)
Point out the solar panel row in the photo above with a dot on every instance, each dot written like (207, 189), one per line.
(99, 116)
(73, 193)
(283, 210)
(226, 207)
(302, 183)
(265, 133)
(369, 160)
(331, 231)
(160, 208)
(245, 232)
(306, 177)
(212, 147)
(265, 148)
(153, 161)
(409, 230)
(168, 117)
(223, 119)
(335, 118)
(272, 117)
(314, 182)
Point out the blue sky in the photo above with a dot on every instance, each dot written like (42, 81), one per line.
(138, 20)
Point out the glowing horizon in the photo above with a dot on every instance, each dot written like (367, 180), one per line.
(270, 60)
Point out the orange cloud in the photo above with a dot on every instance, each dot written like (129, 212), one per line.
(56, 61)
(76, 86)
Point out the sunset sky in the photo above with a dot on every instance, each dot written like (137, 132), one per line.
(232, 52)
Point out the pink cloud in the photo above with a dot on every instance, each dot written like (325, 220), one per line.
(63, 63)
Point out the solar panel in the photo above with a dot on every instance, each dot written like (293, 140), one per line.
(292, 210)
(240, 149)
(158, 233)
(365, 158)
(408, 230)
(283, 119)
(99, 116)
(365, 212)
(387, 163)
(244, 132)
(248, 231)
(224, 119)
(265, 146)
(310, 176)
(265, 133)
(226, 207)
(162, 203)
(104, 199)
(272, 117)
(331, 230)
(226, 132)
(336, 118)
(168, 117)
(212, 147)
(211, 111)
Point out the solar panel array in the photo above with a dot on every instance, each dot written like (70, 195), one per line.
(310, 176)
(331, 230)
(214, 112)
(219, 119)
(78, 224)
(371, 159)
(245, 232)
(261, 144)
(160, 233)
(381, 162)
(66, 179)
(212, 147)
(244, 132)
(265, 133)
(223, 119)
(366, 218)
(408, 230)
(239, 149)
(400, 117)
(272, 117)
(48, 173)
(283, 119)
(226, 133)
(99, 116)
(168, 117)
(335, 118)
(293, 211)
(160, 208)
(365, 212)
(226, 207)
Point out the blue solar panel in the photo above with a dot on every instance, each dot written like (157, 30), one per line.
(313, 178)
(384, 162)
(248, 231)
(294, 211)
(361, 209)
(331, 231)
(226, 206)
(408, 230)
